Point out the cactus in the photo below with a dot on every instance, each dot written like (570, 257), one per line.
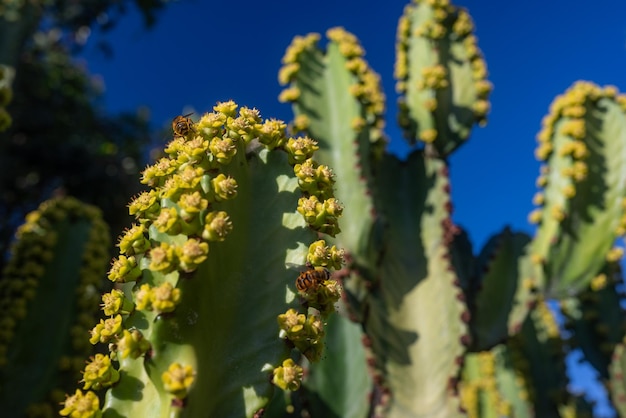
(225, 285)
(49, 295)
(424, 301)
(223, 281)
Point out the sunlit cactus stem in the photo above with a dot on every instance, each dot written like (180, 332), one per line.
(210, 321)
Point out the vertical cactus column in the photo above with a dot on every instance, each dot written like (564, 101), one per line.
(223, 279)
(400, 282)
(583, 181)
(49, 297)
(441, 75)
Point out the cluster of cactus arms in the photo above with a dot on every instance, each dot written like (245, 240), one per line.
(224, 288)
(446, 331)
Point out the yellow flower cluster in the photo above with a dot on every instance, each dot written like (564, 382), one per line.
(564, 136)
(446, 25)
(479, 393)
(366, 87)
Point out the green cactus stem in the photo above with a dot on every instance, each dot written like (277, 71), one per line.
(401, 285)
(416, 318)
(583, 144)
(596, 319)
(340, 384)
(507, 281)
(441, 75)
(340, 103)
(538, 353)
(480, 385)
(230, 222)
(49, 297)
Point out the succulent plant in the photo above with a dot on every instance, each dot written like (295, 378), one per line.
(49, 295)
(222, 283)
(225, 284)
(425, 302)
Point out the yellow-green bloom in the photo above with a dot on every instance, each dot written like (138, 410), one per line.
(288, 376)
(99, 373)
(106, 330)
(301, 123)
(190, 177)
(154, 174)
(115, 302)
(217, 225)
(163, 258)
(191, 204)
(145, 205)
(306, 333)
(192, 151)
(165, 297)
(321, 255)
(178, 379)
(124, 269)
(306, 174)
(133, 241)
(223, 149)
(224, 188)
(81, 405)
(287, 73)
(132, 344)
(272, 133)
(192, 253)
(290, 94)
(228, 108)
(292, 323)
(310, 208)
(210, 124)
(143, 297)
(168, 221)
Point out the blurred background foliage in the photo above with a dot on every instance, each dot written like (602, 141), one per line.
(61, 141)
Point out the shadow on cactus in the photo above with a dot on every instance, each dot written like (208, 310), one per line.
(223, 284)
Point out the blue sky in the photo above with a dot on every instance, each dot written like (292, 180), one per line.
(201, 52)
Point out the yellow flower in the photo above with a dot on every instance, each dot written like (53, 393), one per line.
(288, 376)
(132, 344)
(165, 297)
(178, 379)
(81, 406)
(99, 373)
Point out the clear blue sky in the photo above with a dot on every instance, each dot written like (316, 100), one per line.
(201, 52)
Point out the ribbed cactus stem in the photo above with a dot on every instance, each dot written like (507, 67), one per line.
(225, 281)
(441, 75)
(49, 297)
(583, 145)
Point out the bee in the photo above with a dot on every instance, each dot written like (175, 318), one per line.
(181, 125)
(311, 279)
